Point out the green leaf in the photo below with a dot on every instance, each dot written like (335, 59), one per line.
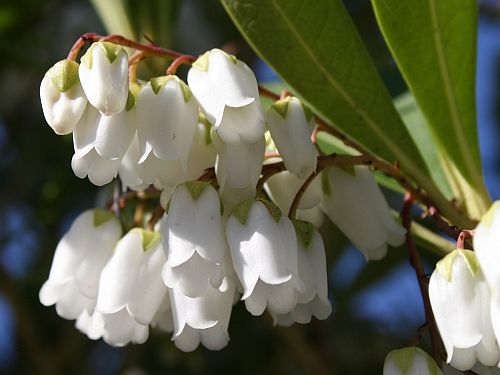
(315, 48)
(434, 44)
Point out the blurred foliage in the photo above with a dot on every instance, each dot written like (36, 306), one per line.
(40, 196)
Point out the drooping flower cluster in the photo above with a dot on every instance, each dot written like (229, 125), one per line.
(217, 237)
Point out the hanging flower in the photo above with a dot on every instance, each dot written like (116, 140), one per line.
(355, 204)
(130, 290)
(62, 97)
(410, 361)
(78, 260)
(202, 319)
(264, 252)
(313, 273)
(167, 116)
(104, 76)
(460, 300)
(193, 240)
(291, 125)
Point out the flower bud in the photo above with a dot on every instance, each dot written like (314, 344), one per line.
(104, 77)
(355, 204)
(291, 126)
(460, 300)
(62, 97)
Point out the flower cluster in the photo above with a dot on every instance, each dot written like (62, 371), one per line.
(220, 236)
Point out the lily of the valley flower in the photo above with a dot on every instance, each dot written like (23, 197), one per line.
(410, 361)
(355, 204)
(167, 116)
(104, 76)
(264, 252)
(203, 319)
(193, 239)
(460, 301)
(291, 126)
(62, 97)
(131, 289)
(313, 273)
(79, 258)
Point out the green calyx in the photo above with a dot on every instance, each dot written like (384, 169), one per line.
(445, 265)
(281, 106)
(130, 101)
(325, 184)
(487, 219)
(405, 357)
(208, 126)
(242, 210)
(272, 208)
(307, 111)
(158, 83)
(64, 75)
(201, 62)
(111, 51)
(149, 238)
(304, 231)
(101, 217)
(195, 188)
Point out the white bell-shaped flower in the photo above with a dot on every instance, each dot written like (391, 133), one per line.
(410, 361)
(202, 319)
(62, 97)
(354, 202)
(313, 273)
(131, 289)
(291, 125)
(238, 167)
(99, 170)
(167, 116)
(460, 300)
(228, 94)
(78, 260)
(193, 239)
(163, 319)
(282, 188)
(478, 369)
(264, 251)
(104, 76)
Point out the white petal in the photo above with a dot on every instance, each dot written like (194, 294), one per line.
(84, 135)
(115, 133)
(241, 125)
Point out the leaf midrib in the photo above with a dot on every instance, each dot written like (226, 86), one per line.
(345, 95)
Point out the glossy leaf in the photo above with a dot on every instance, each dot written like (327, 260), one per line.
(315, 48)
(434, 44)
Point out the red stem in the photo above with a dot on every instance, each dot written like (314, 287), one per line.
(184, 59)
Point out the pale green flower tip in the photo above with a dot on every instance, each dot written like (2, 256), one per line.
(64, 75)
(186, 91)
(325, 184)
(304, 231)
(158, 83)
(281, 106)
(201, 62)
(196, 188)
(86, 59)
(130, 101)
(404, 359)
(102, 216)
(489, 216)
(231, 58)
(307, 111)
(242, 210)
(270, 145)
(149, 238)
(272, 208)
(445, 265)
(111, 50)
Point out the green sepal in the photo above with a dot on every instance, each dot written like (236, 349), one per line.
(158, 83)
(281, 106)
(270, 145)
(102, 216)
(349, 169)
(149, 238)
(242, 210)
(487, 219)
(111, 50)
(86, 59)
(445, 265)
(307, 111)
(195, 188)
(232, 58)
(64, 74)
(272, 208)
(130, 101)
(202, 62)
(304, 231)
(404, 359)
(325, 184)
